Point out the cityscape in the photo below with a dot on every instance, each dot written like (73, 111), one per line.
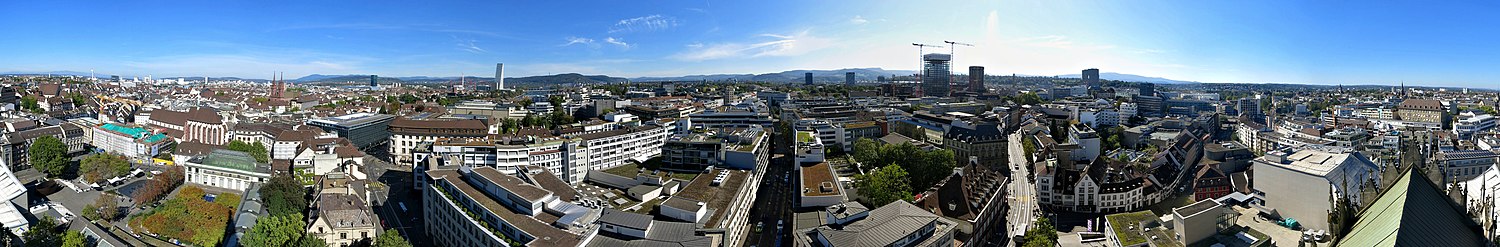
(756, 124)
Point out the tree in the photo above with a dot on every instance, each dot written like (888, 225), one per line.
(107, 207)
(98, 167)
(391, 238)
(158, 186)
(1043, 235)
(284, 195)
(1027, 99)
(256, 150)
(49, 155)
(44, 233)
(884, 185)
(283, 230)
(74, 238)
(311, 241)
(866, 151)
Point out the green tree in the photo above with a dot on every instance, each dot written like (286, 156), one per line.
(930, 167)
(884, 185)
(49, 155)
(866, 151)
(1042, 235)
(311, 241)
(391, 238)
(98, 167)
(1027, 99)
(280, 230)
(74, 238)
(284, 195)
(107, 207)
(256, 150)
(44, 233)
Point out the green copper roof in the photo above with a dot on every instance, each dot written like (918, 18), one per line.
(1413, 212)
(233, 160)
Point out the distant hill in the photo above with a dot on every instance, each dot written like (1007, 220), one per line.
(560, 79)
(821, 76)
(1132, 78)
(344, 79)
(54, 73)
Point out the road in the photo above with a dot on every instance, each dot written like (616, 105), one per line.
(1022, 193)
(409, 222)
(773, 202)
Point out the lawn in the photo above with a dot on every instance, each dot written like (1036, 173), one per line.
(629, 170)
(804, 136)
(189, 218)
(1122, 223)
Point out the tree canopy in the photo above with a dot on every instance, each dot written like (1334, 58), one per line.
(391, 238)
(1043, 235)
(284, 195)
(99, 167)
(45, 232)
(927, 167)
(256, 150)
(49, 155)
(884, 185)
(282, 230)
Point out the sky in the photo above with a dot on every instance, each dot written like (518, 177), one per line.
(1453, 43)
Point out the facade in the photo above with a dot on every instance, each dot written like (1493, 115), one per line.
(849, 78)
(1469, 123)
(742, 149)
(226, 169)
(1091, 78)
(16, 145)
(935, 74)
(1463, 165)
(976, 79)
(133, 142)
(569, 157)
(365, 130)
(343, 220)
(1423, 112)
(1198, 221)
(1149, 106)
(899, 224)
(1299, 184)
(983, 142)
(406, 134)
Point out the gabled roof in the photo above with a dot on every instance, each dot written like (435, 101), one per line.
(1413, 212)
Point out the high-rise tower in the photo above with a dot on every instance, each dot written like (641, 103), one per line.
(499, 76)
(935, 74)
(976, 79)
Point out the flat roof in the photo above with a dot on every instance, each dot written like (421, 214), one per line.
(545, 234)
(814, 177)
(717, 197)
(1196, 208)
(353, 119)
(512, 184)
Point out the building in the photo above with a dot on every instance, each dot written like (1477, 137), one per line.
(17, 145)
(620, 228)
(342, 220)
(981, 141)
(818, 186)
(1149, 106)
(1299, 184)
(364, 130)
(499, 76)
(898, 224)
(807, 78)
(1414, 212)
(484, 207)
(1200, 220)
(935, 74)
(1463, 165)
(1249, 106)
(198, 125)
(848, 78)
(976, 79)
(570, 157)
(1422, 113)
(1469, 123)
(407, 133)
(226, 169)
(133, 142)
(742, 149)
(1091, 78)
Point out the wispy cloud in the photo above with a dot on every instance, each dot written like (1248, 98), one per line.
(781, 45)
(648, 23)
(619, 42)
(469, 45)
(857, 20)
(577, 41)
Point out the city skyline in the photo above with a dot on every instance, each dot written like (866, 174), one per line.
(1280, 42)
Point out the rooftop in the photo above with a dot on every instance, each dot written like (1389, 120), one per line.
(818, 180)
(224, 158)
(545, 233)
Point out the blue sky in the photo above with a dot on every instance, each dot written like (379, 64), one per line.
(1453, 44)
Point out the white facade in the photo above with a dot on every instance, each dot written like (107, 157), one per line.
(1299, 185)
(1127, 110)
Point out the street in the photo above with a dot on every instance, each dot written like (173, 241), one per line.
(1022, 193)
(773, 202)
(399, 191)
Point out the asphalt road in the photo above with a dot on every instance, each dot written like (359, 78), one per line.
(1022, 194)
(773, 202)
(407, 222)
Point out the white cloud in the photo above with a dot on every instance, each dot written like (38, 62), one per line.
(857, 20)
(780, 46)
(577, 40)
(619, 42)
(643, 24)
(469, 45)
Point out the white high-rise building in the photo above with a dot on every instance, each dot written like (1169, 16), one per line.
(499, 76)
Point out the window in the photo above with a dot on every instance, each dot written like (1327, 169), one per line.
(343, 235)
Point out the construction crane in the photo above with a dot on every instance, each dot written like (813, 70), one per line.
(919, 57)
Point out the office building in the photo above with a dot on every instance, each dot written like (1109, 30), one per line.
(133, 142)
(1091, 78)
(407, 133)
(849, 78)
(499, 76)
(484, 207)
(1298, 185)
(226, 169)
(898, 224)
(373, 79)
(620, 228)
(807, 77)
(743, 149)
(15, 145)
(935, 74)
(364, 130)
(976, 79)
(1463, 165)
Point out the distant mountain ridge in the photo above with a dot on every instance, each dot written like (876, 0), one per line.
(1132, 78)
(862, 74)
